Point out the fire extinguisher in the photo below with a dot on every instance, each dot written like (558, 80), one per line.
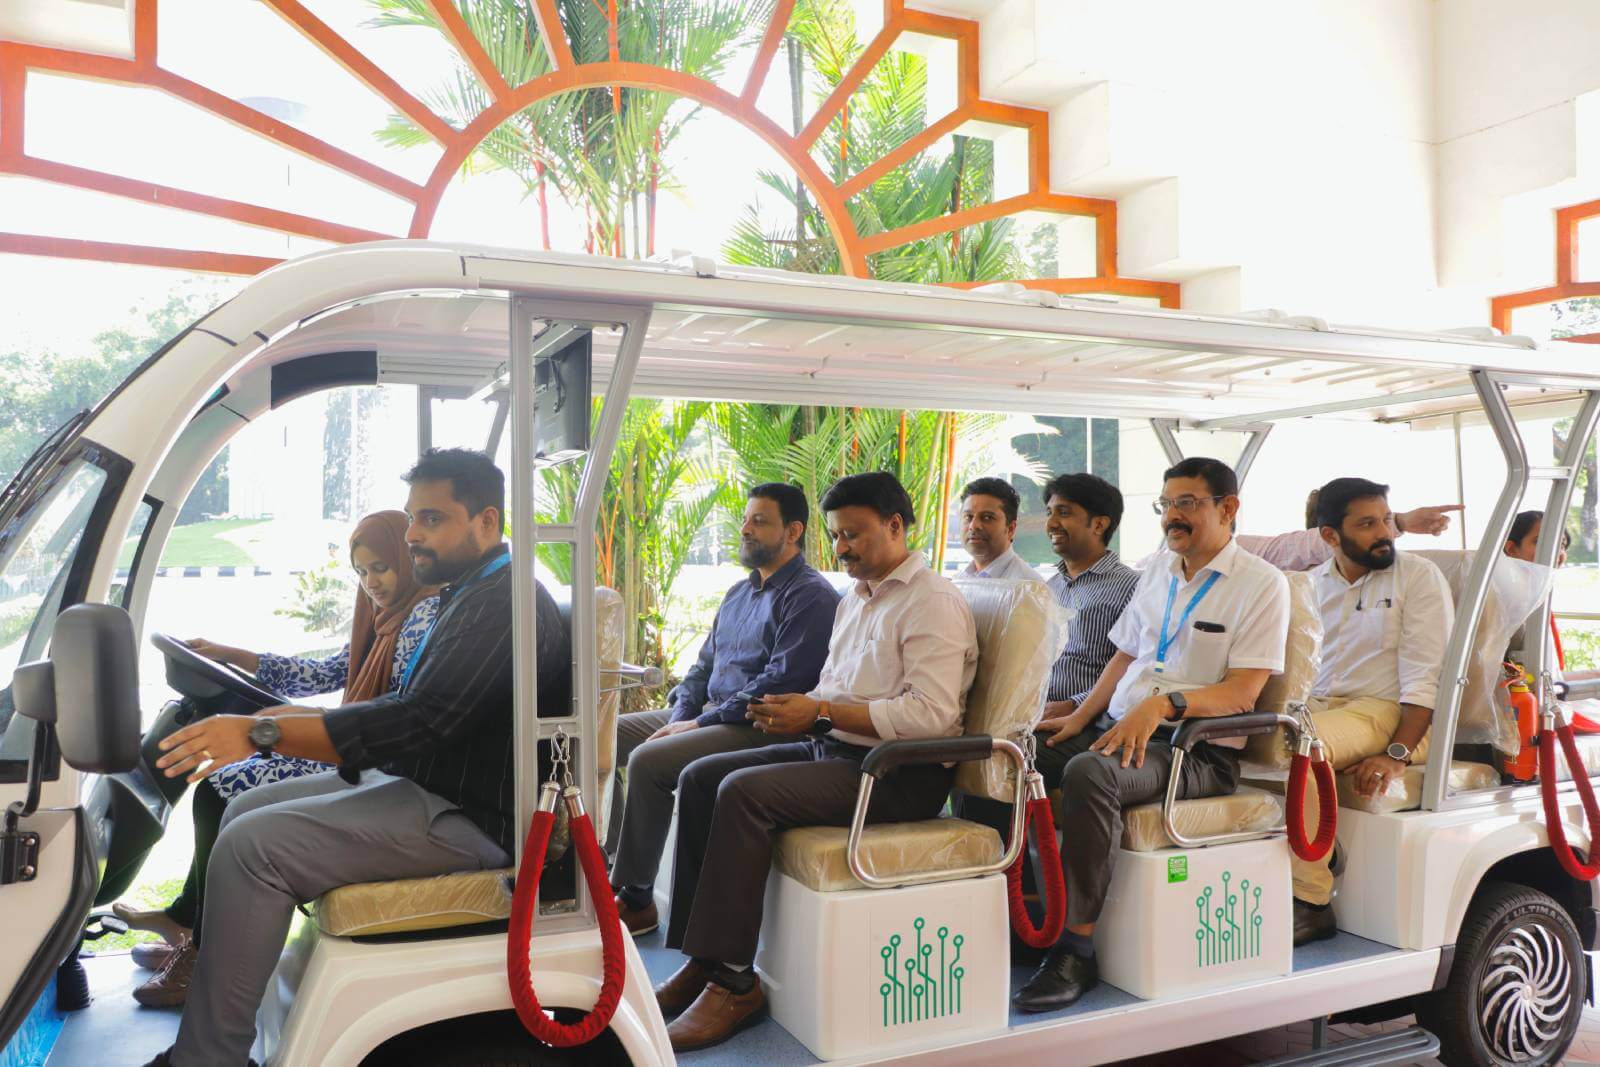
(1524, 766)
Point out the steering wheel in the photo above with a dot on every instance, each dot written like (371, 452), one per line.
(194, 675)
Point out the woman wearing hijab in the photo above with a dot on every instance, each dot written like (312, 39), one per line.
(392, 614)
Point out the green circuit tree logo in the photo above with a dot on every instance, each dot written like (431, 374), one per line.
(1230, 930)
(927, 983)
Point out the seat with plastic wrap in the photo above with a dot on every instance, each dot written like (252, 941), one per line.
(850, 968)
(470, 898)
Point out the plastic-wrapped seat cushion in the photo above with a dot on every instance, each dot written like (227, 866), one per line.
(814, 856)
(608, 634)
(1403, 793)
(411, 904)
(1021, 631)
(1588, 748)
(1302, 656)
(1244, 811)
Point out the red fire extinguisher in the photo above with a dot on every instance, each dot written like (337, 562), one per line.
(1524, 766)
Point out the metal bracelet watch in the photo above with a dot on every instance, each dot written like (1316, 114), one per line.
(824, 722)
(265, 734)
(1397, 751)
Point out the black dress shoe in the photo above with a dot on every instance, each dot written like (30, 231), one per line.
(1312, 923)
(1061, 979)
(164, 1059)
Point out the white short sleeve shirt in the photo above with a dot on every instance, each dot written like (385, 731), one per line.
(1007, 565)
(1384, 634)
(1240, 622)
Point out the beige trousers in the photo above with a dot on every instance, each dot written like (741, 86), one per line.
(1351, 729)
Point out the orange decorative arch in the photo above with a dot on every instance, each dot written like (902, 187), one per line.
(1567, 284)
(144, 69)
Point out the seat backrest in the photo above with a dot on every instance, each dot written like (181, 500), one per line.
(1515, 590)
(1021, 631)
(1302, 653)
(608, 635)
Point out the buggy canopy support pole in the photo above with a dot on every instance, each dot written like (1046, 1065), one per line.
(1539, 652)
(1166, 431)
(527, 314)
(1474, 591)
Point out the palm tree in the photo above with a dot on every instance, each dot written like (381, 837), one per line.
(932, 453)
(602, 150)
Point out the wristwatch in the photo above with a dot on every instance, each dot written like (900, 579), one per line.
(1397, 751)
(824, 724)
(1180, 704)
(265, 735)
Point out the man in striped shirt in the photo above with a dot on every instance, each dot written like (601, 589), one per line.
(444, 798)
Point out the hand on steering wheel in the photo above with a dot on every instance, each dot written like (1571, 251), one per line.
(187, 666)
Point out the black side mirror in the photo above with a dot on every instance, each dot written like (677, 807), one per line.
(88, 690)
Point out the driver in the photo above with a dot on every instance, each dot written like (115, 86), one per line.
(392, 612)
(444, 800)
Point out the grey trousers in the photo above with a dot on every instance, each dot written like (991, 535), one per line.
(733, 806)
(286, 844)
(653, 771)
(1095, 789)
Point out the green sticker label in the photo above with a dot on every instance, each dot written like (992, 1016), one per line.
(1177, 869)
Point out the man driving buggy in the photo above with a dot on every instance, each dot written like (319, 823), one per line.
(439, 792)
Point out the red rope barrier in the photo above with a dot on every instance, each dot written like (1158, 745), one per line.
(1327, 808)
(524, 906)
(1054, 888)
(1552, 813)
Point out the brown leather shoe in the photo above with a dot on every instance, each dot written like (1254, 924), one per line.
(678, 992)
(639, 921)
(152, 955)
(170, 986)
(716, 1015)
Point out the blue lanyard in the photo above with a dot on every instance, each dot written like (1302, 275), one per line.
(499, 563)
(1167, 639)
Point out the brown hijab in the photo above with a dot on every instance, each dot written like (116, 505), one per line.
(374, 632)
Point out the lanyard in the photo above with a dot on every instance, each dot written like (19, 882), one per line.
(499, 563)
(1167, 639)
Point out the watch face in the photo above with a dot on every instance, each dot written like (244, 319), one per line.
(822, 726)
(1397, 751)
(264, 733)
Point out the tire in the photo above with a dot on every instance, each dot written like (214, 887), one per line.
(493, 1039)
(1516, 990)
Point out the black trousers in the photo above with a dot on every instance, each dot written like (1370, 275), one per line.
(208, 809)
(1094, 790)
(732, 807)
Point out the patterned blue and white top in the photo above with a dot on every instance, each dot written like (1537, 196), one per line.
(301, 676)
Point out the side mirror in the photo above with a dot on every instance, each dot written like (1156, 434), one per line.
(88, 689)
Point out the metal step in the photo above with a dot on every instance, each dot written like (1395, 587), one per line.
(1403, 1046)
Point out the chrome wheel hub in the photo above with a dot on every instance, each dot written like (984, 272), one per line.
(1524, 993)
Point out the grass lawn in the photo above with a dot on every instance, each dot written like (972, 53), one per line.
(201, 544)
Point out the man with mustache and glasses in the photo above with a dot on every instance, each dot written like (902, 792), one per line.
(1385, 619)
(770, 636)
(989, 509)
(902, 657)
(1205, 628)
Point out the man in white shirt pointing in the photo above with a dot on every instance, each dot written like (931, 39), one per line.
(1385, 619)
(1205, 629)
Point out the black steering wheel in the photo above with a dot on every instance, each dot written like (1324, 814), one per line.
(194, 675)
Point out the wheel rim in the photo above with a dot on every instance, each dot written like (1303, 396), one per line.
(1524, 993)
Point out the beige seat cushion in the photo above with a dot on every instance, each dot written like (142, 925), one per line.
(1402, 794)
(1302, 656)
(1245, 811)
(412, 904)
(814, 856)
(1588, 748)
(1021, 630)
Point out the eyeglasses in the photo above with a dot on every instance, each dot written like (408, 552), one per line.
(1186, 504)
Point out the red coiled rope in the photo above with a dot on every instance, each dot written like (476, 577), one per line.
(1055, 886)
(1327, 808)
(1552, 813)
(524, 905)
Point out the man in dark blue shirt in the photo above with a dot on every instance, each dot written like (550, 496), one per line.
(770, 636)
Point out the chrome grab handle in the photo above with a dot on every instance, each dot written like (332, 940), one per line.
(1019, 813)
(637, 677)
(1301, 729)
